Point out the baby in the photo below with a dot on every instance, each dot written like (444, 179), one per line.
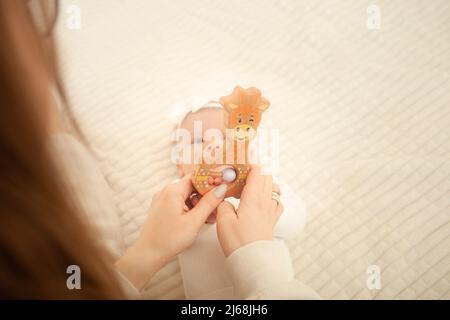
(203, 265)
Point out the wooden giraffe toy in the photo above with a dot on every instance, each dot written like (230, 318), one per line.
(243, 115)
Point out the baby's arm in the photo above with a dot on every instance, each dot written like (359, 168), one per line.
(293, 219)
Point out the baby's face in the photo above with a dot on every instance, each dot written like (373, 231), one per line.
(211, 118)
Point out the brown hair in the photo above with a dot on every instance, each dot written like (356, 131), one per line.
(41, 229)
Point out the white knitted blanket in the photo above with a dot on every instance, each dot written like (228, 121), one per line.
(364, 120)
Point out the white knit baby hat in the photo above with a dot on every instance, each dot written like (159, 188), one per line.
(178, 112)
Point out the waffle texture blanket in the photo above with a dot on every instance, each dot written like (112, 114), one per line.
(363, 116)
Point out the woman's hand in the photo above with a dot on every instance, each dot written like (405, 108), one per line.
(193, 202)
(171, 227)
(256, 216)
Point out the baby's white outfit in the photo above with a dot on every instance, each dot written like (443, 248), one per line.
(203, 264)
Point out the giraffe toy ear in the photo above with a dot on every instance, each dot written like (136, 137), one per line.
(263, 107)
(229, 107)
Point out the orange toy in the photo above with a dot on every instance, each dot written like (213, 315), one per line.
(243, 115)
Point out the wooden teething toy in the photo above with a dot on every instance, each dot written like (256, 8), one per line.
(243, 115)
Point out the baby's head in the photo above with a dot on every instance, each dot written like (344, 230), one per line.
(210, 119)
(200, 135)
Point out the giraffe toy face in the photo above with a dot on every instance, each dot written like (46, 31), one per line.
(243, 115)
(243, 123)
(244, 108)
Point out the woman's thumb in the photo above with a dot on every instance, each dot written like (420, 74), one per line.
(209, 202)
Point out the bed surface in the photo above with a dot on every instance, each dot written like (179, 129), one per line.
(364, 120)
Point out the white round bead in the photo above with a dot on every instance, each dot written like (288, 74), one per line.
(229, 175)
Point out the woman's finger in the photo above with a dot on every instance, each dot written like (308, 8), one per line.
(183, 186)
(276, 207)
(268, 187)
(226, 213)
(255, 181)
(275, 197)
(227, 225)
(279, 211)
(255, 178)
(208, 203)
(212, 217)
(276, 188)
(194, 200)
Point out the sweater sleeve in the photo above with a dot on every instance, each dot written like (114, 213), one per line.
(263, 270)
(90, 188)
(95, 197)
(130, 291)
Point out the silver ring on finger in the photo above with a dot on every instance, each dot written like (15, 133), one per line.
(276, 197)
